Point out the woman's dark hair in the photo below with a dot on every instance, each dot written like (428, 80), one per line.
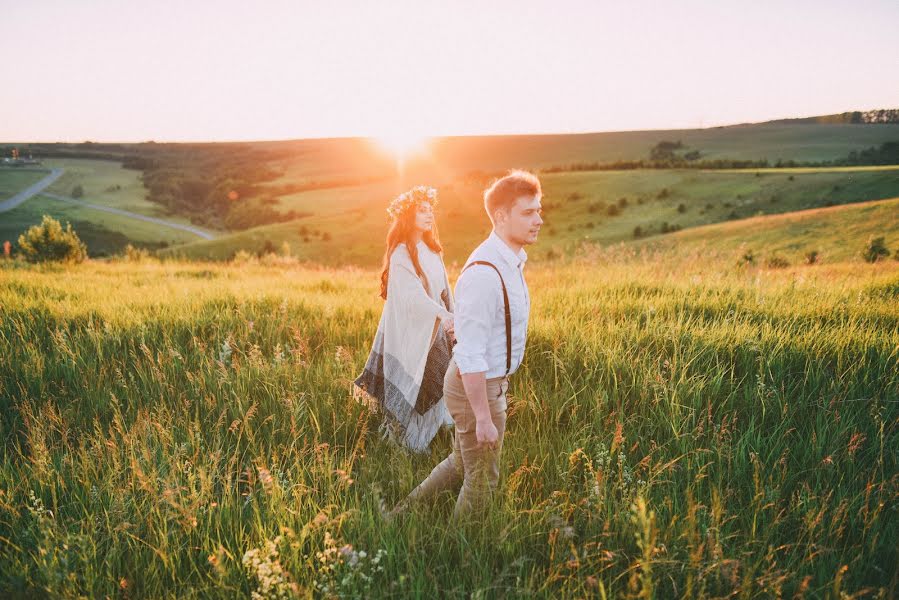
(400, 232)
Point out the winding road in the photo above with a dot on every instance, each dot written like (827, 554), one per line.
(40, 186)
(32, 190)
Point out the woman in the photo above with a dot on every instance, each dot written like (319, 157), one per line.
(403, 376)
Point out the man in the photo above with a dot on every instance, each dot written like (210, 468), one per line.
(491, 319)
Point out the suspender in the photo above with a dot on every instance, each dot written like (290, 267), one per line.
(508, 310)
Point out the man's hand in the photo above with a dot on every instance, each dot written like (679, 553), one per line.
(486, 433)
(449, 326)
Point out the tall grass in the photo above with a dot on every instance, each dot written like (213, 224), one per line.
(681, 428)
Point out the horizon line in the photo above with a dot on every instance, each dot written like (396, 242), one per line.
(441, 136)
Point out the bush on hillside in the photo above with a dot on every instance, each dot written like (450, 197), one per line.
(596, 206)
(875, 250)
(777, 262)
(133, 254)
(77, 191)
(811, 257)
(49, 242)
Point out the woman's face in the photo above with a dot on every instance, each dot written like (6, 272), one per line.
(424, 217)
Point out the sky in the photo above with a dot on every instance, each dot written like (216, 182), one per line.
(108, 70)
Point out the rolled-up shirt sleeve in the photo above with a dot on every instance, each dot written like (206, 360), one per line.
(477, 292)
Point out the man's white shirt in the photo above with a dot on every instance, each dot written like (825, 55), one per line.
(480, 321)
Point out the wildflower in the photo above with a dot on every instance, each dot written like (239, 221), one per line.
(343, 355)
(225, 352)
(265, 477)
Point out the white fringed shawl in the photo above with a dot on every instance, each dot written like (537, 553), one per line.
(410, 354)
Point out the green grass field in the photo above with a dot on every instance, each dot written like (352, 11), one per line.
(354, 183)
(311, 159)
(576, 210)
(105, 183)
(681, 427)
(835, 233)
(14, 180)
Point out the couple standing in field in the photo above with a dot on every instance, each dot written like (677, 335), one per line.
(440, 358)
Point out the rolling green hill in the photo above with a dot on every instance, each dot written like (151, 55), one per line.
(348, 225)
(337, 188)
(836, 233)
(102, 182)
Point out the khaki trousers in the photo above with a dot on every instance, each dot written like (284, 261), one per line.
(473, 465)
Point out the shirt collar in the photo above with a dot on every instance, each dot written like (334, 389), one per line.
(515, 260)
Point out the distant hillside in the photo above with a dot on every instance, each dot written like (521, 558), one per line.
(837, 233)
(245, 187)
(348, 225)
(880, 116)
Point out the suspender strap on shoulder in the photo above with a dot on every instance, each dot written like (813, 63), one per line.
(508, 310)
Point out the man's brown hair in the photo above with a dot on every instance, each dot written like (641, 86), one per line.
(505, 191)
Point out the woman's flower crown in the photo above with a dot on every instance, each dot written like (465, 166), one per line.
(417, 195)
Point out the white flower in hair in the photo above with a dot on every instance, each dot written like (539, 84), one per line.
(416, 195)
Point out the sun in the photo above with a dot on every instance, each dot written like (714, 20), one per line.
(402, 144)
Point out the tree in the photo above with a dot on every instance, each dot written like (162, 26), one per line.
(48, 242)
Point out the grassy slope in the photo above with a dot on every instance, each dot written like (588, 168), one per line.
(353, 213)
(105, 183)
(448, 156)
(14, 180)
(838, 233)
(354, 219)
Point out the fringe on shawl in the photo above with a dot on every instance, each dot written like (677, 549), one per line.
(381, 385)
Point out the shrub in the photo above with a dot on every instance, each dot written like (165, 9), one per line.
(77, 191)
(48, 242)
(811, 257)
(681, 208)
(875, 250)
(326, 236)
(663, 193)
(638, 231)
(613, 210)
(777, 262)
(267, 248)
(748, 258)
(622, 202)
(574, 196)
(133, 254)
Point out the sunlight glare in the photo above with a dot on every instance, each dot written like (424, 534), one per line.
(402, 144)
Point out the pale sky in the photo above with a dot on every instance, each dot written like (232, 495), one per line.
(192, 70)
